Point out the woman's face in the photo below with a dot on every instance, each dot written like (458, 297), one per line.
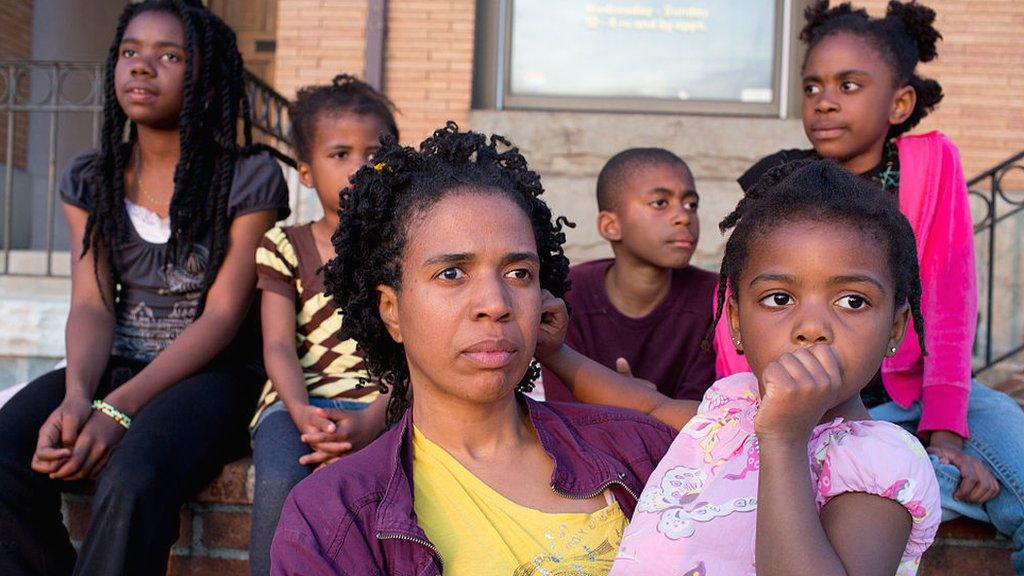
(469, 306)
(149, 78)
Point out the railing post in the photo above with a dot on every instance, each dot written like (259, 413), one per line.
(991, 272)
(51, 172)
(12, 91)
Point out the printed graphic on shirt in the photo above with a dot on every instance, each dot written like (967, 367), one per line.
(571, 553)
(139, 332)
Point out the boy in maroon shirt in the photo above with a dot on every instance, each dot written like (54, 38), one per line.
(647, 305)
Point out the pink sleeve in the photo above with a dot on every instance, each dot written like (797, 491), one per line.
(941, 217)
(882, 459)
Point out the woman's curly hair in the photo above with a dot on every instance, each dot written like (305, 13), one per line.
(820, 191)
(905, 36)
(375, 215)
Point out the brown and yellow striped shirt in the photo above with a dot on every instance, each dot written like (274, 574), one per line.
(287, 263)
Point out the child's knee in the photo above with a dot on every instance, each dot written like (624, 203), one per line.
(281, 476)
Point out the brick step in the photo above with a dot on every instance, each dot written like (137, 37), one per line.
(215, 534)
(964, 546)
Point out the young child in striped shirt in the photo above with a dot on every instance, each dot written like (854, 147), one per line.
(312, 409)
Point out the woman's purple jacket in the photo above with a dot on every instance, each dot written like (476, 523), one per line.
(356, 516)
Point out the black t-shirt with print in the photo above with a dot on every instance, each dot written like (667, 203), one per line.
(157, 301)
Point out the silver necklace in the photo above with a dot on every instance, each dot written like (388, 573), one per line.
(137, 180)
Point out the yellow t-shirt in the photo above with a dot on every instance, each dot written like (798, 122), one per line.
(480, 532)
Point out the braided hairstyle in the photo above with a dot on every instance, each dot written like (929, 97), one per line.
(214, 101)
(905, 36)
(375, 215)
(821, 191)
(345, 93)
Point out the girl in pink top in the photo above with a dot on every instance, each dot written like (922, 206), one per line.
(861, 95)
(782, 470)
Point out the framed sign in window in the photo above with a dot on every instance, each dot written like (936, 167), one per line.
(703, 56)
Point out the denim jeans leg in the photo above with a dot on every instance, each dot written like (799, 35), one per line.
(276, 452)
(997, 438)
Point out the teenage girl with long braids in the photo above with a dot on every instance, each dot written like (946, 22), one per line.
(160, 382)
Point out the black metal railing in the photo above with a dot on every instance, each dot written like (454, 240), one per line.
(50, 110)
(269, 116)
(33, 93)
(999, 207)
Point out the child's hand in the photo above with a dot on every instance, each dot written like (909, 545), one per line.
(798, 388)
(977, 484)
(554, 322)
(622, 367)
(352, 430)
(310, 419)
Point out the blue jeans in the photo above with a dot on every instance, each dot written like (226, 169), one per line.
(276, 449)
(996, 424)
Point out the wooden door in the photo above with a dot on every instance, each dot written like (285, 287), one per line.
(255, 24)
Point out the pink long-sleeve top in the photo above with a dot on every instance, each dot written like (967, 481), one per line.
(933, 196)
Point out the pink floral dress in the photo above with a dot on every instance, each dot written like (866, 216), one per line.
(698, 512)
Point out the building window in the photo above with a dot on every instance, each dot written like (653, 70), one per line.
(700, 56)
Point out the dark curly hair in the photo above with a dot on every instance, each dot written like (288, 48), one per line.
(213, 107)
(905, 36)
(821, 191)
(345, 93)
(375, 214)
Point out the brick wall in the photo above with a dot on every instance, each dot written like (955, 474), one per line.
(979, 66)
(429, 54)
(429, 63)
(317, 39)
(16, 44)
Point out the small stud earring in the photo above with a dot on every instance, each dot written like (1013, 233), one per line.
(892, 350)
(736, 342)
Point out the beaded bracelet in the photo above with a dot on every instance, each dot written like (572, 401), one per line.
(118, 416)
